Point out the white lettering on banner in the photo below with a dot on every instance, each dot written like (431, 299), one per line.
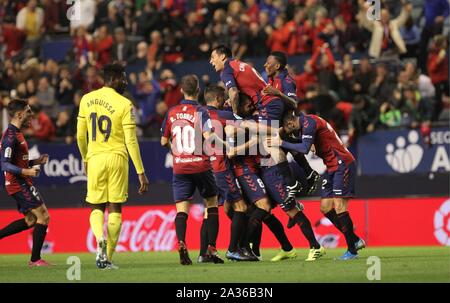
(153, 231)
(440, 137)
(440, 160)
(70, 167)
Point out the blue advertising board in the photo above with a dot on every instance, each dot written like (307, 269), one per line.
(404, 151)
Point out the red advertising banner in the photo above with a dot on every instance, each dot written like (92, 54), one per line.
(382, 222)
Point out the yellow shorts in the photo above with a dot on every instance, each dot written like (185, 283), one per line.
(107, 179)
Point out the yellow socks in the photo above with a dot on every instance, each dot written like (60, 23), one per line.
(96, 220)
(114, 226)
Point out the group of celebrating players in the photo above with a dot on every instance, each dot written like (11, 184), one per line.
(233, 151)
(246, 170)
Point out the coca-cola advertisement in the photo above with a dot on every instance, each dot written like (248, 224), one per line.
(381, 222)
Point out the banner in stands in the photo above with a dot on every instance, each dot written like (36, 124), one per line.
(404, 151)
(381, 222)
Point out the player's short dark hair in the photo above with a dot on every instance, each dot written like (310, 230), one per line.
(280, 57)
(212, 92)
(289, 116)
(189, 85)
(16, 105)
(112, 72)
(222, 50)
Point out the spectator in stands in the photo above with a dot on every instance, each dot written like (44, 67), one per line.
(349, 36)
(172, 48)
(146, 95)
(435, 12)
(11, 36)
(102, 44)
(91, 80)
(81, 45)
(155, 121)
(31, 87)
(30, 19)
(62, 125)
(299, 33)
(122, 50)
(41, 126)
(72, 130)
(381, 89)
(363, 118)
(170, 88)
(148, 19)
(194, 42)
(56, 20)
(65, 89)
(364, 77)
(217, 31)
(325, 68)
(390, 116)
(438, 70)
(258, 37)
(305, 79)
(154, 53)
(252, 11)
(238, 37)
(411, 35)
(46, 96)
(386, 39)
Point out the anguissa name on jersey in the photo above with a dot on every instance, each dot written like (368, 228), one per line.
(103, 103)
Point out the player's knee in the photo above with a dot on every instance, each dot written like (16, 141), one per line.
(44, 219)
(30, 220)
(263, 204)
(211, 202)
(325, 208)
(240, 206)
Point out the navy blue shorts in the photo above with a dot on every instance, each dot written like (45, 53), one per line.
(184, 185)
(340, 183)
(275, 184)
(272, 111)
(228, 187)
(252, 187)
(27, 198)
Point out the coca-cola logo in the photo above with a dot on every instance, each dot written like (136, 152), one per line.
(153, 231)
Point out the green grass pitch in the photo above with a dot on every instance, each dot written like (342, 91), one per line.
(398, 264)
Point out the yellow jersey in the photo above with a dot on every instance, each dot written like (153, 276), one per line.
(106, 124)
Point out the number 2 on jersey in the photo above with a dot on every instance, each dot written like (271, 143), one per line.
(105, 130)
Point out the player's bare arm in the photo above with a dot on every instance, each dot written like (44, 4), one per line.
(288, 101)
(233, 93)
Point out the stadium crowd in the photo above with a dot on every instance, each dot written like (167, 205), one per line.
(359, 74)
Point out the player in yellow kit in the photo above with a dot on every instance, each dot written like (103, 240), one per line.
(106, 134)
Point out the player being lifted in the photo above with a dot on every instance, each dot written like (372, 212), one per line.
(241, 77)
(339, 181)
(18, 173)
(184, 128)
(275, 172)
(106, 134)
(283, 86)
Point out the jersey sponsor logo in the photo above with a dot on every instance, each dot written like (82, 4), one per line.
(306, 137)
(442, 223)
(406, 154)
(228, 83)
(8, 152)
